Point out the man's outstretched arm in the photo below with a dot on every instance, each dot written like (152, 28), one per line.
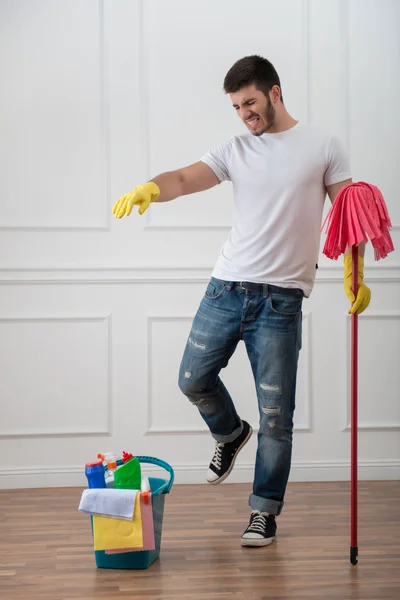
(197, 177)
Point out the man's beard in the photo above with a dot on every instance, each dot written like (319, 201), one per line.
(269, 118)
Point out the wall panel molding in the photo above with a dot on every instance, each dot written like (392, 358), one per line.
(104, 125)
(58, 432)
(344, 12)
(163, 274)
(364, 426)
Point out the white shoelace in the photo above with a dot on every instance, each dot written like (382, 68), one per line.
(216, 461)
(258, 523)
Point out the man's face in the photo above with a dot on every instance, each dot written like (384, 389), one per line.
(254, 108)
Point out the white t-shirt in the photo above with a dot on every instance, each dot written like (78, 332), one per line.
(279, 184)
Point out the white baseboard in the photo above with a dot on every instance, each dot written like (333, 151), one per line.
(73, 476)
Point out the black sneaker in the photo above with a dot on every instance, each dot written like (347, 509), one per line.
(261, 530)
(225, 455)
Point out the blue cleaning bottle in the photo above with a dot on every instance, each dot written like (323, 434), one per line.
(95, 474)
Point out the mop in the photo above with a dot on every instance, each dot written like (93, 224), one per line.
(358, 213)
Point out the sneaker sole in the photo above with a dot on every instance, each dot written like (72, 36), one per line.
(225, 475)
(256, 543)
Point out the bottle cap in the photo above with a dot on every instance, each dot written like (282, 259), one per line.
(126, 456)
(94, 464)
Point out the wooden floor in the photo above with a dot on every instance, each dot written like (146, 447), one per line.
(46, 547)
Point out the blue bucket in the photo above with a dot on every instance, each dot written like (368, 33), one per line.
(142, 559)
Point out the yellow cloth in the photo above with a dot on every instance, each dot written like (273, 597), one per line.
(110, 534)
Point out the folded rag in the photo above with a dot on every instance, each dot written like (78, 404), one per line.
(109, 502)
(113, 534)
(146, 512)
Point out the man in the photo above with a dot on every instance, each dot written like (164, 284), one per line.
(281, 170)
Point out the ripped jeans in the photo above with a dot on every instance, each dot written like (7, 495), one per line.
(270, 324)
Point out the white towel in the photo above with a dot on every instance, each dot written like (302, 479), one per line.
(109, 502)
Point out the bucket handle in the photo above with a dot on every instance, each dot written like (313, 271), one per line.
(166, 487)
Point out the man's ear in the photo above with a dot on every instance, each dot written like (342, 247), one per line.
(275, 94)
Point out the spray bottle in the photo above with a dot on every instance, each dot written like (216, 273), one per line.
(110, 460)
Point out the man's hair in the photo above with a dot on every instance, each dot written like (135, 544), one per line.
(252, 70)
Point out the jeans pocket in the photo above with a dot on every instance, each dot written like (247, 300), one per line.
(215, 289)
(285, 305)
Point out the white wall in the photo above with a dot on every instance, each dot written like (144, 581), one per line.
(97, 97)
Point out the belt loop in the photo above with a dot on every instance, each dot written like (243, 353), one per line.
(265, 290)
(242, 287)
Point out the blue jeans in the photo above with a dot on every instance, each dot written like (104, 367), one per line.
(270, 324)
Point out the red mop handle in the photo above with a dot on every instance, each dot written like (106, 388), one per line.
(354, 415)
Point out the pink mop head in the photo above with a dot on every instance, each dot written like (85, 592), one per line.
(359, 212)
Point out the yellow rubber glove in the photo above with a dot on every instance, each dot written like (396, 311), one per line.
(364, 293)
(141, 196)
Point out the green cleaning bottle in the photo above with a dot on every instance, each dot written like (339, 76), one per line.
(128, 476)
